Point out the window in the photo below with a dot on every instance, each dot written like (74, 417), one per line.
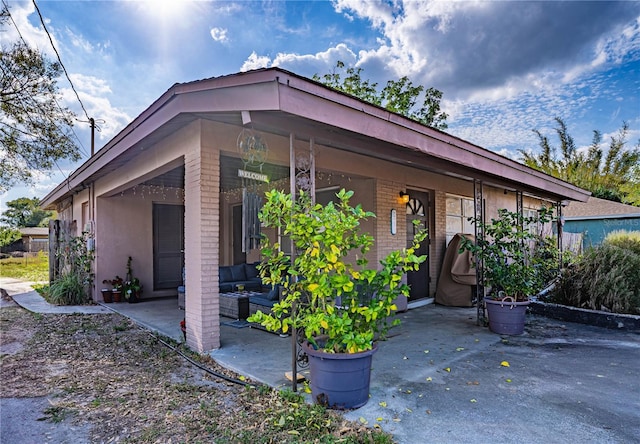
(459, 209)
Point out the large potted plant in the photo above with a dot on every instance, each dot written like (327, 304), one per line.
(131, 287)
(330, 295)
(516, 261)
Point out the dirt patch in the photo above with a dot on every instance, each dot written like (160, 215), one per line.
(103, 371)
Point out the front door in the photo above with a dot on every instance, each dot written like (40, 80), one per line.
(168, 246)
(418, 210)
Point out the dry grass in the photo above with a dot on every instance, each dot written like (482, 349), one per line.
(102, 370)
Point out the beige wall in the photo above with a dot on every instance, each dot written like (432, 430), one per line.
(124, 227)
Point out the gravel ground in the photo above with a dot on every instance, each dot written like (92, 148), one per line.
(99, 378)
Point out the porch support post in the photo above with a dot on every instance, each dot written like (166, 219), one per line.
(520, 209)
(292, 249)
(478, 208)
(202, 245)
(302, 176)
(560, 227)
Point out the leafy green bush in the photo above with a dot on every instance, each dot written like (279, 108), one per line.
(605, 278)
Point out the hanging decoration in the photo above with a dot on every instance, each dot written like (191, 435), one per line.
(253, 151)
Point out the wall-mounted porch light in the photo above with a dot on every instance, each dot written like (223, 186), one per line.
(404, 197)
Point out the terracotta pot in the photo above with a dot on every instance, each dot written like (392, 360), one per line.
(117, 295)
(107, 296)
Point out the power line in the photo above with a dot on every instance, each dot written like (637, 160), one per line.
(60, 60)
(6, 6)
(81, 145)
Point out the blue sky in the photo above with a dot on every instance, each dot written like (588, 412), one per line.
(505, 68)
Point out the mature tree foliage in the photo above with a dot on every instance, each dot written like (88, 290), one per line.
(631, 189)
(25, 212)
(399, 96)
(8, 236)
(611, 174)
(35, 131)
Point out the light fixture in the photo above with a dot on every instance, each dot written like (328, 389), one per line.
(404, 197)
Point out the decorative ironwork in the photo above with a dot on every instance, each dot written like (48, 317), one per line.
(303, 170)
(520, 210)
(301, 357)
(478, 209)
(415, 207)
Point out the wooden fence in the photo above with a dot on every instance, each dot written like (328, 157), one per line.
(60, 234)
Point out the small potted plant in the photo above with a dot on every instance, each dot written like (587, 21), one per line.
(116, 288)
(131, 286)
(511, 269)
(340, 305)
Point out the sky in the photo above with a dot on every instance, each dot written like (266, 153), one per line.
(505, 68)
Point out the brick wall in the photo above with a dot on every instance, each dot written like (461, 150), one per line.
(386, 199)
(202, 208)
(438, 236)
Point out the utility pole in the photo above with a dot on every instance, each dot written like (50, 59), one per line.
(92, 122)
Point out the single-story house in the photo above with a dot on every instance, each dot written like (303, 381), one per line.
(32, 240)
(596, 218)
(182, 183)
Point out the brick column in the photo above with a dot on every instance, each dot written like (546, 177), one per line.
(438, 238)
(388, 198)
(202, 244)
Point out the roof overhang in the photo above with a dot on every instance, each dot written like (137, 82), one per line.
(280, 102)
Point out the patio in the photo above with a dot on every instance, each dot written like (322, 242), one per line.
(265, 357)
(441, 378)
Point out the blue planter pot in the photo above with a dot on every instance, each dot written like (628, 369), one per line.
(506, 317)
(340, 380)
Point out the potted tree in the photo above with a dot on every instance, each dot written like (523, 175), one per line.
(330, 295)
(513, 268)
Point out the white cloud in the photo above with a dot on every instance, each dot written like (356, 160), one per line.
(79, 42)
(34, 36)
(304, 64)
(255, 62)
(93, 93)
(219, 35)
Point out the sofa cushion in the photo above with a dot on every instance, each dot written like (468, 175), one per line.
(260, 300)
(225, 274)
(226, 287)
(274, 294)
(251, 270)
(237, 273)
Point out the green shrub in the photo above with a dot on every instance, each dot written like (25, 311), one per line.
(68, 289)
(629, 240)
(604, 278)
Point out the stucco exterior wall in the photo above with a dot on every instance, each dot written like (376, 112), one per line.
(124, 227)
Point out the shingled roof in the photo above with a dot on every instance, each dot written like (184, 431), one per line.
(595, 207)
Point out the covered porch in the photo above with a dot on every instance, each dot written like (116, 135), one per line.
(426, 341)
